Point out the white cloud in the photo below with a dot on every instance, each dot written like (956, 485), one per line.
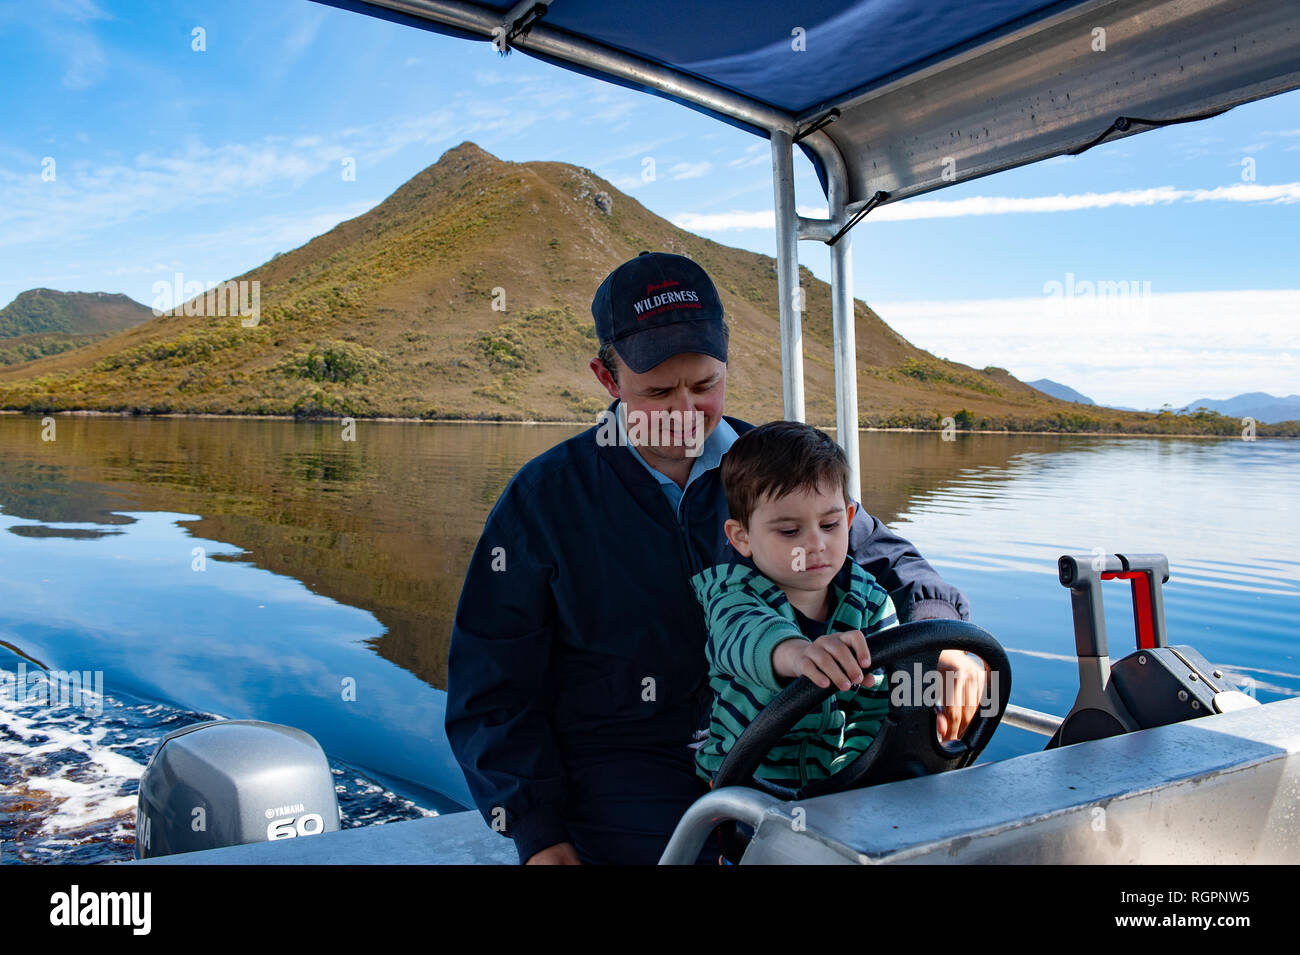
(1161, 195)
(608, 109)
(88, 197)
(912, 209)
(689, 170)
(483, 78)
(754, 154)
(80, 10)
(87, 62)
(627, 183)
(157, 267)
(1136, 351)
(282, 231)
(65, 26)
(307, 23)
(726, 221)
(85, 198)
(638, 150)
(132, 264)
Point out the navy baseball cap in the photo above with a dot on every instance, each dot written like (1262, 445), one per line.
(656, 306)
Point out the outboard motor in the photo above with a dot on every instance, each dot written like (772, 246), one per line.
(232, 782)
(1153, 686)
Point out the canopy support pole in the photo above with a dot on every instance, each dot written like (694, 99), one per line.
(843, 332)
(787, 274)
(834, 232)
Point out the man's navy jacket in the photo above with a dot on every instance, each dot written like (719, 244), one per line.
(577, 629)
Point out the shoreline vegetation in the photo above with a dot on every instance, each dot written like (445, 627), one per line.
(1284, 429)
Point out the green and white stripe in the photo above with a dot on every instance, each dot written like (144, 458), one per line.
(748, 616)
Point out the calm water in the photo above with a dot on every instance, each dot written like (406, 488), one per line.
(252, 569)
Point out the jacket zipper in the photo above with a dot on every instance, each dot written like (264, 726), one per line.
(821, 731)
(826, 708)
(684, 551)
(683, 537)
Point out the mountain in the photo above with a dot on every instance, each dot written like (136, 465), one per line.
(466, 294)
(1253, 404)
(43, 322)
(1058, 390)
(42, 310)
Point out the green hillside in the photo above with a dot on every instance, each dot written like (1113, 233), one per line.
(42, 310)
(42, 322)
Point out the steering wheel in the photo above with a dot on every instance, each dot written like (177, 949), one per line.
(907, 744)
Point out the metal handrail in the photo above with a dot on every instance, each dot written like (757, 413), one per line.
(1035, 721)
(708, 812)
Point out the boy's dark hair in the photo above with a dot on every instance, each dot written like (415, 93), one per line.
(776, 459)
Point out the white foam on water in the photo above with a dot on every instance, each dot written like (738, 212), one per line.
(375, 805)
(65, 769)
(69, 777)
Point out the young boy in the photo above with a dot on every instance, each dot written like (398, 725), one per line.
(791, 603)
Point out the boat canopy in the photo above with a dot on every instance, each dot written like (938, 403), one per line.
(895, 98)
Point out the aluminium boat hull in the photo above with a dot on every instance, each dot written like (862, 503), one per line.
(1218, 789)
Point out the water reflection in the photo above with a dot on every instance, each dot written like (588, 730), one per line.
(327, 560)
(1220, 510)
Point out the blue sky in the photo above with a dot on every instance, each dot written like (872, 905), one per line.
(167, 159)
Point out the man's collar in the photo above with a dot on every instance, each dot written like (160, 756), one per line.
(715, 446)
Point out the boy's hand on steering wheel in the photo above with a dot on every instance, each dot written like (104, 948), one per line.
(970, 676)
(839, 658)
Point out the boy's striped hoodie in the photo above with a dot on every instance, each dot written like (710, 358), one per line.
(747, 616)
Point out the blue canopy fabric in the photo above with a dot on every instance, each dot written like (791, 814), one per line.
(749, 47)
(927, 93)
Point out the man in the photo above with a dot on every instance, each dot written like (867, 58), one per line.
(577, 675)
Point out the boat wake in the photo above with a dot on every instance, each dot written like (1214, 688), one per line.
(69, 777)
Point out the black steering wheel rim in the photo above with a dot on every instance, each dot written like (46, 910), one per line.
(920, 640)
